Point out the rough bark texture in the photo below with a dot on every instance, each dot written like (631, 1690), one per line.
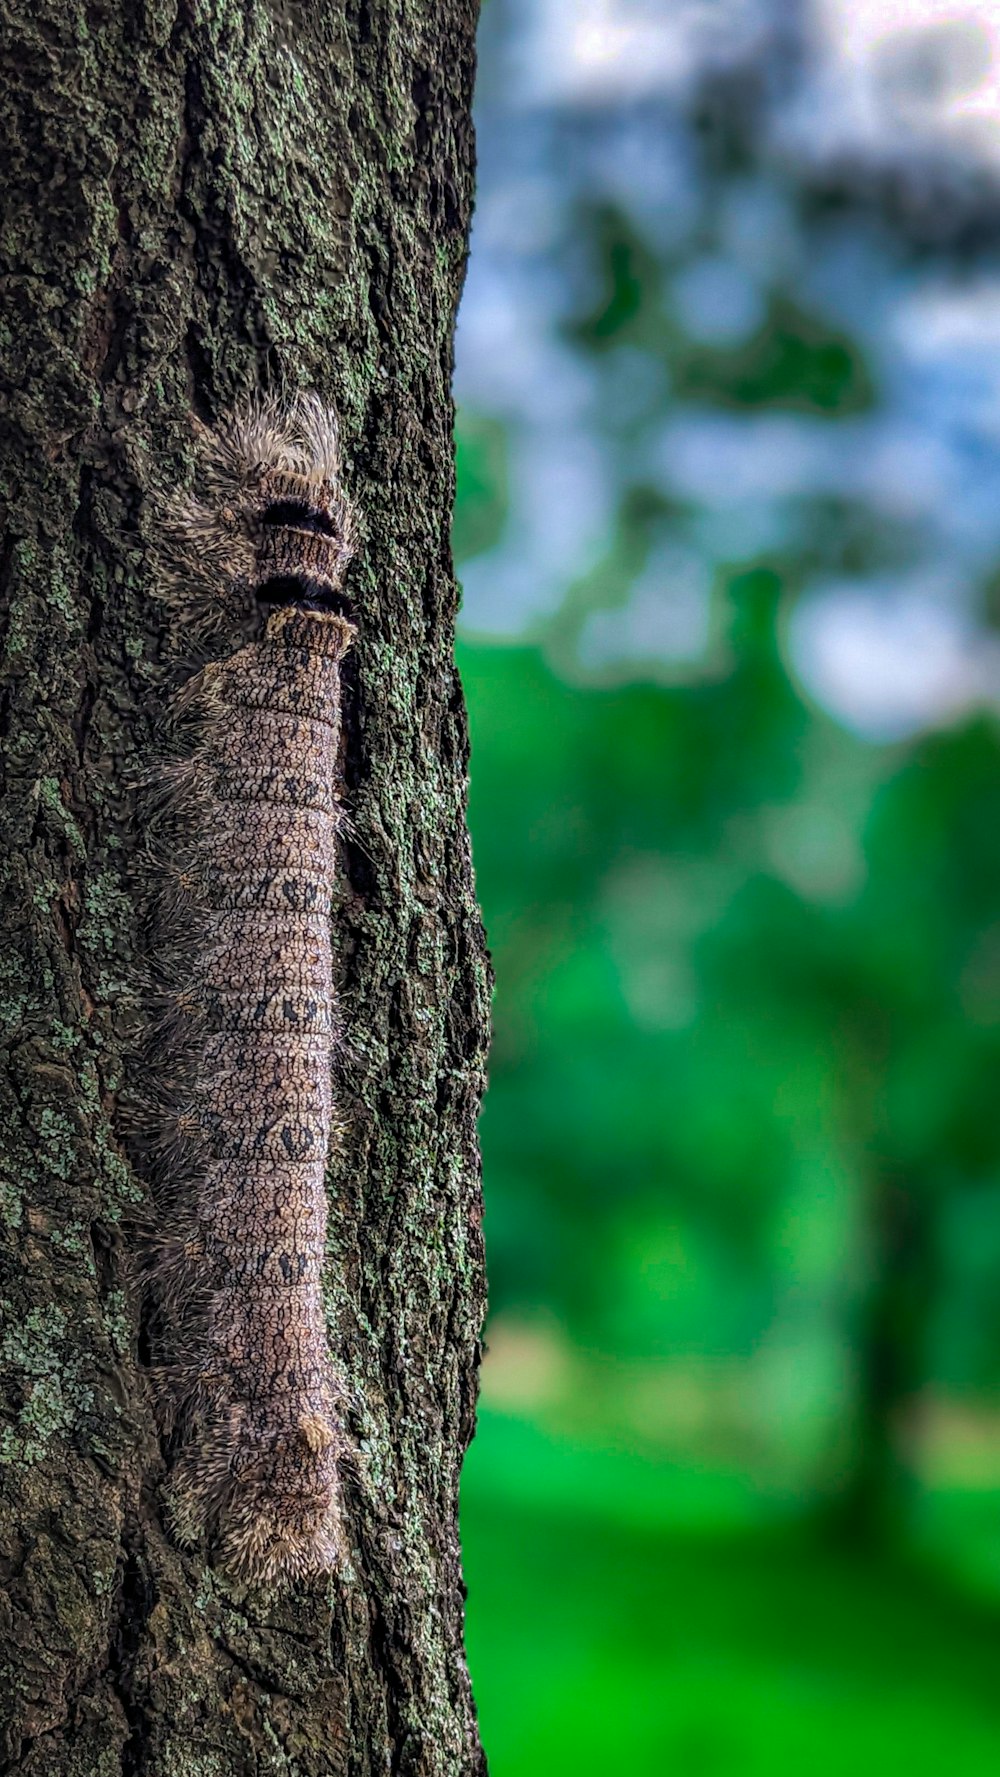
(200, 201)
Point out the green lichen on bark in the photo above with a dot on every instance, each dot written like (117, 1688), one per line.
(202, 200)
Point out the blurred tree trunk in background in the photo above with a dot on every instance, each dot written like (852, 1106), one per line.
(200, 201)
(872, 1508)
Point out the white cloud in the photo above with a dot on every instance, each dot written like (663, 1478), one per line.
(894, 68)
(609, 51)
(666, 618)
(889, 661)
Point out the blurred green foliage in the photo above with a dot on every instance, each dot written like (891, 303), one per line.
(747, 966)
(741, 1141)
(742, 1110)
(604, 1640)
(792, 360)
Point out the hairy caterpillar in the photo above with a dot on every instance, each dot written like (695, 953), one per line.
(253, 1398)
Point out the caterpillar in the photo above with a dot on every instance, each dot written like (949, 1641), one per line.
(245, 1116)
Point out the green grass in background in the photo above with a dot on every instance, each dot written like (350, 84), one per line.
(606, 1640)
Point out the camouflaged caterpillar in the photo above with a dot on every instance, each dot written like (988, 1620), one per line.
(247, 1117)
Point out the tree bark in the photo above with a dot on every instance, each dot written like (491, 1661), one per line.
(201, 201)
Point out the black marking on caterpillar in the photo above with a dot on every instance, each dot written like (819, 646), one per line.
(241, 1118)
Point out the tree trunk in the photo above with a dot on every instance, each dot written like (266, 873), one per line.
(873, 1505)
(201, 201)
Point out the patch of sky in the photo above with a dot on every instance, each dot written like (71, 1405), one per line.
(642, 161)
(635, 389)
(514, 364)
(665, 619)
(725, 458)
(608, 52)
(717, 302)
(561, 508)
(884, 80)
(755, 225)
(887, 659)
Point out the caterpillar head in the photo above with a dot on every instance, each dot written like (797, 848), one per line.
(269, 525)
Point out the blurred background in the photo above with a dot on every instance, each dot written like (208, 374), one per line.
(728, 527)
